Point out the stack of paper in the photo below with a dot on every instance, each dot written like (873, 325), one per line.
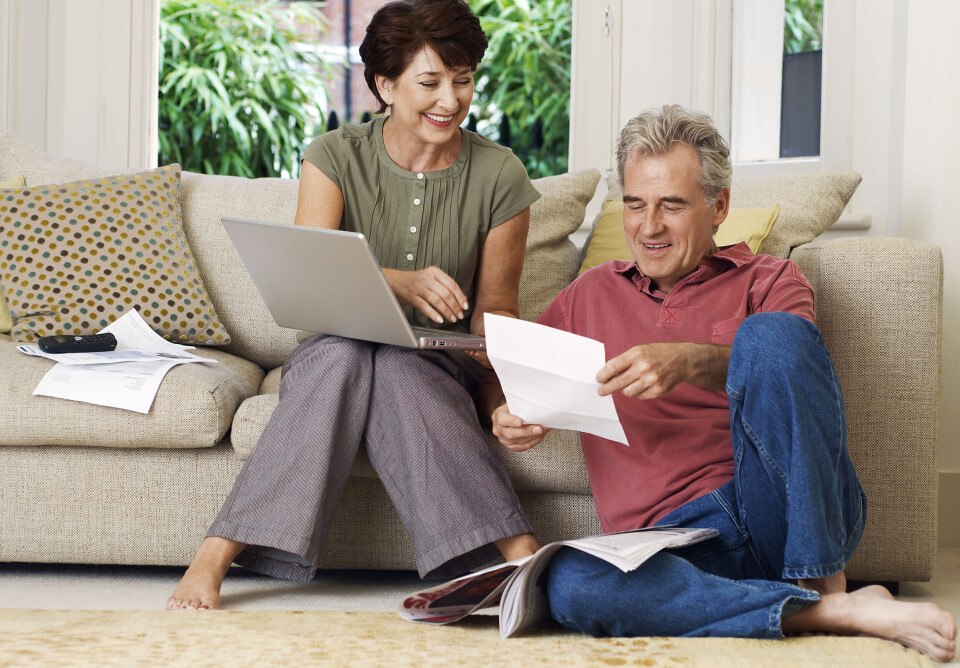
(128, 377)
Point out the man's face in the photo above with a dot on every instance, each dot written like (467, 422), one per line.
(668, 224)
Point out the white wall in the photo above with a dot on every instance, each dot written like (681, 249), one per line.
(930, 172)
(78, 77)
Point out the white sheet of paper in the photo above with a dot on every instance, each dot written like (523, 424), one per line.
(549, 376)
(133, 333)
(131, 386)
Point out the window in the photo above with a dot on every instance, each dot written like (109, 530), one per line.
(776, 79)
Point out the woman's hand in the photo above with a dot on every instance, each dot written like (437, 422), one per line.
(430, 291)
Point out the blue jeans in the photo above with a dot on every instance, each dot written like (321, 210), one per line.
(793, 510)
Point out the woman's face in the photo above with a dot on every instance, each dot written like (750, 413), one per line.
(427, 99)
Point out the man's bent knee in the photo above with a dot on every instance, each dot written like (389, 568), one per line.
(767, 342)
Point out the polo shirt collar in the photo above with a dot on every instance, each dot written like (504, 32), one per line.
(712, 265)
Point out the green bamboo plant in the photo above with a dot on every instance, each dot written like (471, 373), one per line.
(237, 95)
(525, 76)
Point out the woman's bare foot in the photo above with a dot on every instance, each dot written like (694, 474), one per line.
(873, 611)
(517, 547)
(199, 589)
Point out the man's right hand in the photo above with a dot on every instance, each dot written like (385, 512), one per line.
(513, 433)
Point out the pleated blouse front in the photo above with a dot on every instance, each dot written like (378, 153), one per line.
(416, 220)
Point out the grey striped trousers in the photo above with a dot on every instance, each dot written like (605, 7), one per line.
(414, 411)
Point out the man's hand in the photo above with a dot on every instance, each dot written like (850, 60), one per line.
(650, 371)
(513, 433)
(431, 291)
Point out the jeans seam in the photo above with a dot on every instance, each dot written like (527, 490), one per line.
(826, 570)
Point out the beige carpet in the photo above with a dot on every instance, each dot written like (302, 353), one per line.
(319, 638)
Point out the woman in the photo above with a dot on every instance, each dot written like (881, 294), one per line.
(446, 213)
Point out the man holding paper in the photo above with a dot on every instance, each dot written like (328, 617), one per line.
(734, 419)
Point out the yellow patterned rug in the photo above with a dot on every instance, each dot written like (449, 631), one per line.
(316, 638)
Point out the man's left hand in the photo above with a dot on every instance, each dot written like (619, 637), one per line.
(651, 370)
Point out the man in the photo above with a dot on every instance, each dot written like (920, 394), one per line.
(734, 417)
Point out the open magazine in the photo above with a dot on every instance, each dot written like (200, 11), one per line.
(519, 586)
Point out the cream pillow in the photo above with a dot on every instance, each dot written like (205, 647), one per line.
(609, 243)
(75, 256)
(551, 260)
(5, 321)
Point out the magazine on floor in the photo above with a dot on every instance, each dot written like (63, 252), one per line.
(519, 586)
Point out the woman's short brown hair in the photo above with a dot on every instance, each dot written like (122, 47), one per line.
(400, 30)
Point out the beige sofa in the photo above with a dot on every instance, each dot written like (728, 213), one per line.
(86, 484)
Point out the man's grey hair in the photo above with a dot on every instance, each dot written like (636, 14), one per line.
(655, 131)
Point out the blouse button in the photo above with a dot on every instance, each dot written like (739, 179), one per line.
(416, 202)
(413, 230)
(420, 175)
(409, 256)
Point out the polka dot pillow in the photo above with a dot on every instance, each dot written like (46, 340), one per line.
(74, 257)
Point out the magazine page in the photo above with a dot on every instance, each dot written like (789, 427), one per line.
(628, 549)
(454, 600)
(524, 604)
(520, 586)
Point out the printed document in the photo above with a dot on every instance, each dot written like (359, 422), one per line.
(549, 377)
(128, 377)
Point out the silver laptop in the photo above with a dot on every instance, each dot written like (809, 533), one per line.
(329, 281)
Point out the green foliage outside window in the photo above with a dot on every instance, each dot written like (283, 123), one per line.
(237, 96)
(803, 26)
(525, 75)
(240, 95)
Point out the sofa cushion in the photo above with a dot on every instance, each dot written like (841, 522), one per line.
(608, 242)
(193, 408)
(809, 203)
(77, 255)
(552, 258)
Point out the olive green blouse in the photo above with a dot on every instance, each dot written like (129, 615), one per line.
(417, 220)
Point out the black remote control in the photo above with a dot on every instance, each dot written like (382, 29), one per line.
(88, 343)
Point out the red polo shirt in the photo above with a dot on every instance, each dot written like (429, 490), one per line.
(680, 445)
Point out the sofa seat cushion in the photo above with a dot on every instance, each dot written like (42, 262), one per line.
(193, 408)
(556, 465)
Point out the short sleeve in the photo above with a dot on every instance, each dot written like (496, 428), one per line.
(555, 315)
(789, 291)
(514, 191)
(324, 153)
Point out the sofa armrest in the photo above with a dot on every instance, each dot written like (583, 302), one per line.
(879, 307)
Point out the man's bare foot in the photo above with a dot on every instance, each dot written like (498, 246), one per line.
(873, 611)
(832, 584)
(517, 547)
(199, 589)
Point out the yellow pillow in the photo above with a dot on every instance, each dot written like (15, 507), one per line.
(609, 242)
(6, 322)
